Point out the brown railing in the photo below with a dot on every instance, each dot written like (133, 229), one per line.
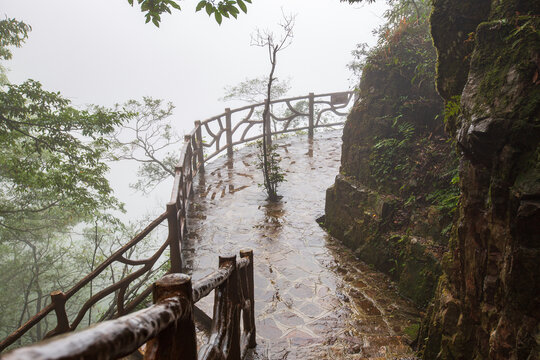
(302, 113)
(167, 328)
(216, 134)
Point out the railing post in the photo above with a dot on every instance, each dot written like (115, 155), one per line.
(174, 238)
(189, 175)
(232, 293)
(178, 341)
(200, 147)
(228, 130)
(249, 321)
(58, 299)
(311, 115)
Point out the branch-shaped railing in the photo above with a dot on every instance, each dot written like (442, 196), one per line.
(167, 328)
(208, 139)
(303, 113)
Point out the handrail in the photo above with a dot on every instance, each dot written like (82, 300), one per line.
(167, 327)
(223, 136)
(221, 132)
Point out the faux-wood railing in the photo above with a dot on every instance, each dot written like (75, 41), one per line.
(208, 139)
(167, 328)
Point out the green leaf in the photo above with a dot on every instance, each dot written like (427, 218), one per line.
(209, 9)
(242, 6)
(218, 17)
(200, 5)
(156, 22)
(222, 9)
(175, 5)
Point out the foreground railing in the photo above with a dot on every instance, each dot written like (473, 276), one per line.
(167, 328)
(208, 139)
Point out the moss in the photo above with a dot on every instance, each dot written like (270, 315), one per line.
(508, 8)
(502, 47)
(407, 262)
(451, 23)
(483, 300)
(357, 216)
(412, 331)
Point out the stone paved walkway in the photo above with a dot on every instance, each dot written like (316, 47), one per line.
(313, 299)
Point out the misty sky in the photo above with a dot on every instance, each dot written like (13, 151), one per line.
(102, 52)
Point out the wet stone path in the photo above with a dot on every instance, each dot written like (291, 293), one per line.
(313, 299)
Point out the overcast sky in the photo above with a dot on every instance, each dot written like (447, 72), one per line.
(102, 52)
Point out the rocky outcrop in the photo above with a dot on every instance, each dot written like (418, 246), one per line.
(487, 303)
(361, 219)
(392, 201)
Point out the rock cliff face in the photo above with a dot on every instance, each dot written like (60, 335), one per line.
(487, 301)
(487, 304)
(393, 199)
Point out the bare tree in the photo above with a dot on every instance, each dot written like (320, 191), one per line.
(148, 139)
(274, 44)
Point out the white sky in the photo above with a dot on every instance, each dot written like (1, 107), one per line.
(102, 52)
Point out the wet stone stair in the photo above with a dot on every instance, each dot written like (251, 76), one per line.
(314, 299)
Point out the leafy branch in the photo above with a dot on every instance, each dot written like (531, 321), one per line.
(153, 9)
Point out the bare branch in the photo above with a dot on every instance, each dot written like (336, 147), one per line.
(149, 140)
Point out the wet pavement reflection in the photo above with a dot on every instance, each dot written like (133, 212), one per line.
(313, 299)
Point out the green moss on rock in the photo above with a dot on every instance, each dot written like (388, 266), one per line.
(486, 304)
(362, 219)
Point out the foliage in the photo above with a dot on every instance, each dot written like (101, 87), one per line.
(255, 90)
(357, 1)
(405, 56)
(223, 8)
(403, 40)
(46, 260)
(31, 262)
(359, 60)
(153, 9)
(12, 33)
(52, 153)
(452, 110)
(149, 139)
(390, 160)
(271, 162)
(410, 158)
(446, 198)
(52, 178)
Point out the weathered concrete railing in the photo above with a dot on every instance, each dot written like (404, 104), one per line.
(302, 113)
(216, 134)
(167, 328)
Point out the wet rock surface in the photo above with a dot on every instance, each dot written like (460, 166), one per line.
(314, 299)
(488, 299)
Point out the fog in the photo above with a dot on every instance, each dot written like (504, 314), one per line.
(101, 52)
